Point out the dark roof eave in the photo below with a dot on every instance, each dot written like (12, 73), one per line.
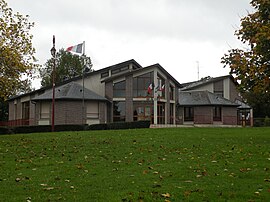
(209, 105)
(75, 99)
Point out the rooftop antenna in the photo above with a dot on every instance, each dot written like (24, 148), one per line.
(198, 68)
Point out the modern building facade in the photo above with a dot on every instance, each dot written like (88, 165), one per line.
(223, 97)
(122, 92)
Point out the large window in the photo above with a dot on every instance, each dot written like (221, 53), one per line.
(45, 110)
(188, 114)
(25, 110)
(119, 89)
(161, 113)
(92, 110)
(143, 111)
(217, 113)
(141, 85)
(160, 88)
(171, 113)
(171, 91)
(119, 111)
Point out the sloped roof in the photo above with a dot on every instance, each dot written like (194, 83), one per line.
(242, 105)
(132, 61)
(204, 81)
(70, 91)
(203, 98)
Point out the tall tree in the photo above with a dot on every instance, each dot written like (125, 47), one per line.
(251, 66)
(67, 66)
(17, 59)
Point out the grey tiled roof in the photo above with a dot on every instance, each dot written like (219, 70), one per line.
(206, 98)
(242, 105)
(204, 81)
(72, 91)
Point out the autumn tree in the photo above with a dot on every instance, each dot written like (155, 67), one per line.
(17, 59)
(67, 66)
(251, 66)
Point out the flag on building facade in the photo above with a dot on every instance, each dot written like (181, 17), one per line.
(163, 87)
(79, 48)
(150, 88)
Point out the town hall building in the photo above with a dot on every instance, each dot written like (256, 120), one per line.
(128, 92)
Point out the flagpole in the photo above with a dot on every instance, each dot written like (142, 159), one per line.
(83, 107)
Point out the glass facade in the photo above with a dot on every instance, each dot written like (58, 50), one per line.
(119, 89)
(188, 114)
(160, 88)
(119, 111)
(217, 113)
(161, 113)
(143, 111)
(141, 85)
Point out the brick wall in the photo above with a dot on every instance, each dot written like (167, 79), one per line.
(109, 96)
(129, 98)
(234, 93)
(68, 112)
(203, 115)
(229, 115)
(102, 112)
(218, 86)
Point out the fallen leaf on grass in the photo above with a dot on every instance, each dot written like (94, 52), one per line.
(166, 195)
(187, 193)
(48, 188)
(145, 172)
(188, 181)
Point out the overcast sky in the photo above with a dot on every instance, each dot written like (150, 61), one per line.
(180, 35)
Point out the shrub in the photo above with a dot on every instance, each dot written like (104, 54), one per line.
(267, 121)
(120, 125)
(70, 127)
(102, 126)
(47, 128)
(4, 131)
(258, 122)
(31, 129)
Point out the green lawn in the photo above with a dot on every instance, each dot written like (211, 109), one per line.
(183, 164)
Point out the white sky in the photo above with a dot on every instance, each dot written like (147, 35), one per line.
(174, 33)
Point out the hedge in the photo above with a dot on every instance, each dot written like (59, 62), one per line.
(120, 125)
(4, 131)
(261, 122)
(70, 127)
(47, 128)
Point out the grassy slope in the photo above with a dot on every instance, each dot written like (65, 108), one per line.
(149, 164)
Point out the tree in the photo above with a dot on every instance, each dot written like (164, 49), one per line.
(251, 67)
(16, 51)
(67, 66)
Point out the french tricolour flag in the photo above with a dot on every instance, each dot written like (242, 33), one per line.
(76, 49)
(150, 88)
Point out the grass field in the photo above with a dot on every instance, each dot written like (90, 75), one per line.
(183, 164)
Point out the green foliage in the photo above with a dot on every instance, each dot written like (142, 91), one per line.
(183, 164)
(67, 66)
(3, 110)
(259, 102)
(16, 51)
(267, 121)
(252, 65)
(4, 131)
